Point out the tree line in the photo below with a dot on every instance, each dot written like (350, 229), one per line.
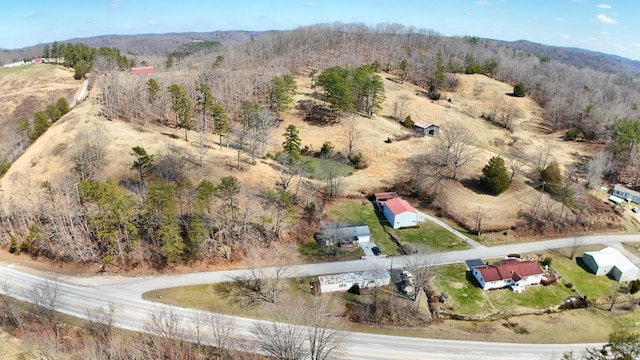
(82, 57)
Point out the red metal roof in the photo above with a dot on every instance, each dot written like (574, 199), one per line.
(142, 69)
(509, 269)
(398, 206)
(386, 196)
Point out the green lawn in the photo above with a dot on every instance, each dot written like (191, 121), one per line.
(467, 298)
(322, 168)
(426, 234)
(209, 297)
(464, 296)
(429, 235)
(219, 298)
(352, 211)
(584, 281)
(538, 297)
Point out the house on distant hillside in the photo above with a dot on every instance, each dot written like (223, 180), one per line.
(19, 63)
(513, 273)
(142, 70)
(400, 213)
(610, 261)
(426, 128)
(38, 60)
(344, 236)
(366, 280)
(626, 194)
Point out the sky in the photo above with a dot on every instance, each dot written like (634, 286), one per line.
(608, 26)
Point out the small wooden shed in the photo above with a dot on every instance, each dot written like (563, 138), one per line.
(426, 128)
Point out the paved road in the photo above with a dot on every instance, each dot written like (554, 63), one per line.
(79, 294)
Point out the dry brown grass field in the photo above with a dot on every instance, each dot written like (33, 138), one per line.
(27, 89)
(49, 158)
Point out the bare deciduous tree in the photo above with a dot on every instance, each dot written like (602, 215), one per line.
(400, 107)
(422, 268)
(10, 309)
(457, 140)
(259, 284)
(170, 163)
(575, 245)
(89, 155)
(426, 171)
(100, 325)
(303, 329)
(352, 133)
(168, 339)
(322, 328)
(45, 299)
(280, 340)
(222, 335)
(596, 168)
(515, 160)
(334, 175)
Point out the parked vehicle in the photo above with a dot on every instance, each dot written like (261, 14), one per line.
(634, 209)
(406, 276)
(376, 251)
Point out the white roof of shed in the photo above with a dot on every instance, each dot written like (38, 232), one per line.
(612, 257)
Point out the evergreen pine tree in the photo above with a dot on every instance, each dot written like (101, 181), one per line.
(495, 177)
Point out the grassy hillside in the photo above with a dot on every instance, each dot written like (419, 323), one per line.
(384, 143)
(25, 90)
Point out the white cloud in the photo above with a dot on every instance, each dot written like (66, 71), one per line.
(604, 6)
(152, 22)
(605, 19)
(558, 18)
(128, 27)
(565, 36)
(30, 14)
(482, 2)
(115, 4)
(311, 4)
(635, 44)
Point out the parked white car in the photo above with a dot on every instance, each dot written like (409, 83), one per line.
(407, 276)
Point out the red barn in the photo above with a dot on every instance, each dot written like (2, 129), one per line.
(142, 70)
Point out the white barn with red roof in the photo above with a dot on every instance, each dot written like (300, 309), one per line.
(513, 273)
(400, 213)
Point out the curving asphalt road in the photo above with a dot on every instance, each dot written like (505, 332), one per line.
(77, 295)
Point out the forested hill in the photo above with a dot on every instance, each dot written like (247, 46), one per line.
(163, 44)
(150, 44)
(578, 57)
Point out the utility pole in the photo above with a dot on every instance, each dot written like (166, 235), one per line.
(478, 222)
(535, 209)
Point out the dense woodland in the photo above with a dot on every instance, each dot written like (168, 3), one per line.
(237, 92)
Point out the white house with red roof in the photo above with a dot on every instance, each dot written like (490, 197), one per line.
(514, 273)
(400, 213)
